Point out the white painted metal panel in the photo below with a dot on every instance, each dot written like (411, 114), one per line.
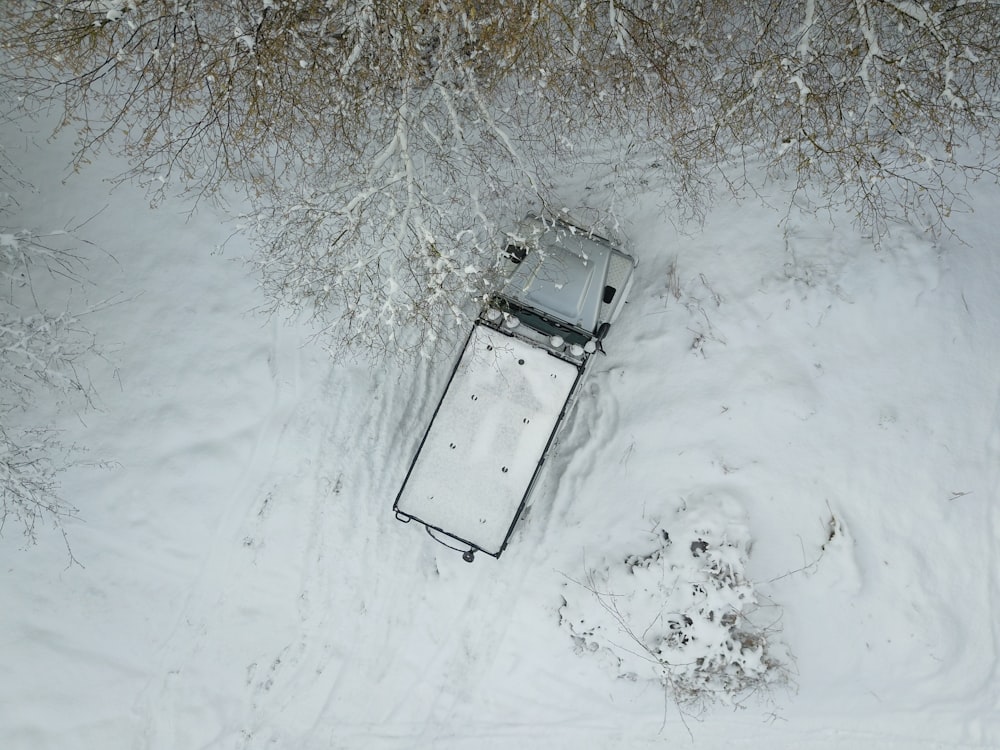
(487, 438)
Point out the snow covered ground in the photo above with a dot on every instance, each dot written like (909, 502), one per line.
(244, 584)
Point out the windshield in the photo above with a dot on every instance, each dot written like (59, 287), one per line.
(538, 322)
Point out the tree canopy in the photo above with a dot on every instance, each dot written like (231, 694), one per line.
(383, 143)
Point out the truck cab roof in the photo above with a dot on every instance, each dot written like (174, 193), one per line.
(566, 273)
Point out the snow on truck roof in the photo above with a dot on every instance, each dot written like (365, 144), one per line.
(562, 273)
(492, 427)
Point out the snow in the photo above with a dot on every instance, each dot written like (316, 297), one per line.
(244, 583)
(486, 439)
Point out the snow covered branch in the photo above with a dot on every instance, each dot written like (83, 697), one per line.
(30, 461)
(381, 142)
(40, 353)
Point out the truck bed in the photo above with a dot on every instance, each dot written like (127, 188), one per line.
(487, 440)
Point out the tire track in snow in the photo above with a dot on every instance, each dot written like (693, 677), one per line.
(370, 582)
(487, 612)
(167, 696)
(474, 643)
(398, 575)
(592, 427)
(478, 619)
(428, 677)
(354, 588)
(993, 536)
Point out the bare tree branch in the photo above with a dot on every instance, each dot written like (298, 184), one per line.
(381, 141)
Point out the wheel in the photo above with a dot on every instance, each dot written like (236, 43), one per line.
(469, 555)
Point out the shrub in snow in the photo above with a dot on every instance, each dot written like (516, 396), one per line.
(681, 612)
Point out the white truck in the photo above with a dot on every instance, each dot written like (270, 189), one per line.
(513, 385)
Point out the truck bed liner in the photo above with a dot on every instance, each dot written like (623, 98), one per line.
(487, 440)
